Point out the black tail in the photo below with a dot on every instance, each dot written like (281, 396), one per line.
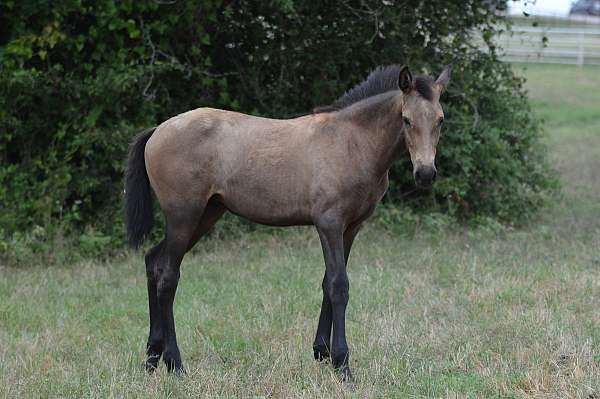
(139, 215)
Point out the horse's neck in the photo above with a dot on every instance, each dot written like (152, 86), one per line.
(378, 122)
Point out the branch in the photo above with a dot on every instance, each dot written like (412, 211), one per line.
(148, 40)
(473, 107)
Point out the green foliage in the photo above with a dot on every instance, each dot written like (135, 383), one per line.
(78, 78)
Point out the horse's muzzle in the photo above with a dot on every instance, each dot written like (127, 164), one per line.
(425, 175)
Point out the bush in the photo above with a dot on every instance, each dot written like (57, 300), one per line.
(78, 78)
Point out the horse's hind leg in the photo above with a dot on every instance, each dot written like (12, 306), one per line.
(162, 265)
(180, 231)
(212, 213)
(162, 269)
(155, 345)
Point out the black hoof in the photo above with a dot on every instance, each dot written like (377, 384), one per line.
(346, 375)
(151, 363)
(174, 365)
(178, 371)
(320, 352)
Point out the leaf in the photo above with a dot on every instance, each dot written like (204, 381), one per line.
(133, 30)
(92, 117)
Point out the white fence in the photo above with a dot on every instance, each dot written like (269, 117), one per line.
(563, 45)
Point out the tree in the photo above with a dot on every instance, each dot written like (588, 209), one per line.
(79, 77)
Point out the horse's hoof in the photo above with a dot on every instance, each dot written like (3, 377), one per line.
(179, 371)
(173, 362)
(151, 363)
(150, 368)
(175, 368)
(321, 353)
(346, 376)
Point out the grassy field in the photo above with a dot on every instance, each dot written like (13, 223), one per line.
(483, 313)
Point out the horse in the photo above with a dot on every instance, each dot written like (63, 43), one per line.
(328, 169)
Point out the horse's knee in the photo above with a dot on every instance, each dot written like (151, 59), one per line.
(167, 282)
(338, 289)
(151, 272)
(151, 258)
(161, 270)
(324, 283)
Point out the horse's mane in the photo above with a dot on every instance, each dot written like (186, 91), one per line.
(381, 80)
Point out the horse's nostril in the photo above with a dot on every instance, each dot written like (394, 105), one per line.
(418, 174)
(425, 175)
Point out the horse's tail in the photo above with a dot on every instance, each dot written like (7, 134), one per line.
(139, 215)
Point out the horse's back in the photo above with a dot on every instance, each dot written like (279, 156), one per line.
(201, 123)
(208, 151)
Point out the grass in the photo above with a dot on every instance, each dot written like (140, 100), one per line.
(487, 313)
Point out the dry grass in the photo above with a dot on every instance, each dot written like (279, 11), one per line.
(483, 313)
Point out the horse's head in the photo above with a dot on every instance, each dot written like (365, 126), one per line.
(422, 117)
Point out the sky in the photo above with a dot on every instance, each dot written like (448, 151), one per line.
(542, 7)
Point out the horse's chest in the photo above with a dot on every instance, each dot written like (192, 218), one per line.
(378, 191)
(362, 196)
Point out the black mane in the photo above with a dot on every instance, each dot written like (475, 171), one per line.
(381, 80)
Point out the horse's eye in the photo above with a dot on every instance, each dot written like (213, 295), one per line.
(406, 121)
(441, 121)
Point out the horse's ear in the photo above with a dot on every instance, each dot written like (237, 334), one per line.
(405, 80)
(442, 81)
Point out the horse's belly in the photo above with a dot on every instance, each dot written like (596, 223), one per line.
(260, 210)
(276, 202)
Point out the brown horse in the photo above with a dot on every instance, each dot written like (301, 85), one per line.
(328, 169)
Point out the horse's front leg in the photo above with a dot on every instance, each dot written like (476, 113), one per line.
(322, 343)
(331, 233)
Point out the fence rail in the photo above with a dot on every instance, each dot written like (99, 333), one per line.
(555, 45)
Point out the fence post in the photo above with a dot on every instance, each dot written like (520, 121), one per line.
(581, 52)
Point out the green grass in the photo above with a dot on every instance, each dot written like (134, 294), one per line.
(492, 312)
(567, 98)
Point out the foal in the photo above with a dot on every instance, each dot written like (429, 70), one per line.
(328, 169)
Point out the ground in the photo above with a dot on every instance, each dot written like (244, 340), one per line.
(491, 312)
